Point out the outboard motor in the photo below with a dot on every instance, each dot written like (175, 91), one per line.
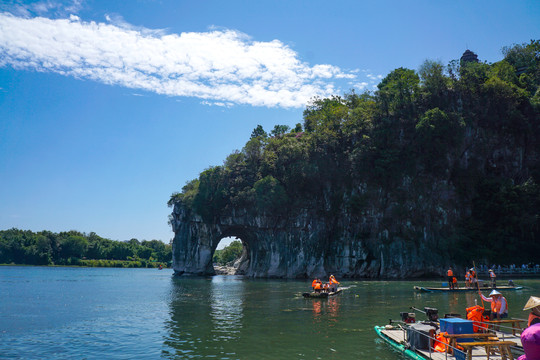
(432, 313)
(408, 317)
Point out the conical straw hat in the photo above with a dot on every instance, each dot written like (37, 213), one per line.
(532, 303)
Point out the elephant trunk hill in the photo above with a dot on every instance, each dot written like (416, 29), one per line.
(438, 167)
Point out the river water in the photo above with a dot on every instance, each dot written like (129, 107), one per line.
(107, 313)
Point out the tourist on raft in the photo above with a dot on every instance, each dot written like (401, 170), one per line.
(530, 338)
(468, 279)
(499, 305)
(317, 285)
(534, 305)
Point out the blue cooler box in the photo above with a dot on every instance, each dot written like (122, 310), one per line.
(457, 326)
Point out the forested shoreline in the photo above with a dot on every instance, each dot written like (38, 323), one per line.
(73, 248)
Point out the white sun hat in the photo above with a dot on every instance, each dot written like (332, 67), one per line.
(532, 303)
(495, 292)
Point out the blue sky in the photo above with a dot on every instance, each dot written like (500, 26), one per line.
(108, 107)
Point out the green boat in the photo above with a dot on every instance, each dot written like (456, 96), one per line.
(383, 333)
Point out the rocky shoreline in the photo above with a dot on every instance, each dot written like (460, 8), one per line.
(224, 270)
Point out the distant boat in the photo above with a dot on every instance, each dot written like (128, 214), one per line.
(321, 295)
(445, 289)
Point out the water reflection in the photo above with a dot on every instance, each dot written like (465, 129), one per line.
(226, 302)
(205, 314)
(326, 310)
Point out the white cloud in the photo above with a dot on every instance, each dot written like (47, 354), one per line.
(374, 77)
(220, 66)
(362, 85)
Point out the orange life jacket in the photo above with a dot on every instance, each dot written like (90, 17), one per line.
(450, 273)
(468, 276)
(454, 280)
(532, 316)
(441, 343)
(317, 286)
(313, 283)
(475, 314)
(496, 304)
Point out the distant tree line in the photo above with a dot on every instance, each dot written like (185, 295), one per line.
(76, 248)
(412, 127)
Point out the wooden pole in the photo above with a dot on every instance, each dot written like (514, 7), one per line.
(477, 285)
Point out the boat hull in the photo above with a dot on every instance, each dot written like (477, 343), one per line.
(397, 346)
(321, 295)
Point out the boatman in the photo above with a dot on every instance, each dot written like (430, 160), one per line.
(450, 275)
(474, 279)
(534, 305)
(333, 283)
(499, 305)
(492, 276)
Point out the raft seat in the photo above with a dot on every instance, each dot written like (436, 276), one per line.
(490, 346)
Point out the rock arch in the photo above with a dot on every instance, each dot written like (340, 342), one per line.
(304, 245)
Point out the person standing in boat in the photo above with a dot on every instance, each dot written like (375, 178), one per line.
(499, 305)
(492, 276)
(474, 279)
(467, 278)
(534, 305)
(333, 283)
(450, 275)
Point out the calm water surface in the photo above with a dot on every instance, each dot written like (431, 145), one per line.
(102, 313)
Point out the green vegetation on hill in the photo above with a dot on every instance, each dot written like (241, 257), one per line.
(413, 127)
(75, 248)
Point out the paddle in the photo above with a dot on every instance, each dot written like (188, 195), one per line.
(477, 285)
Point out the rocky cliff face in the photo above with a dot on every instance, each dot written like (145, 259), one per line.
(396, 233)
(378, 243)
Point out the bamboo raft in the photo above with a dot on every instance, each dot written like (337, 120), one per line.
(445, 289)
(321, 295)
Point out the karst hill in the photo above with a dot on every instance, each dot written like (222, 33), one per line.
(438, 166)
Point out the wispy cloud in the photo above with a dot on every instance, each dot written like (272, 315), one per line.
(220, 66)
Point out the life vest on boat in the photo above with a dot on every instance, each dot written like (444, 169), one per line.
(454, 280)
(532, 317)
(497, 304)
(317, 285)
(314, 283)
(441, 342)
(449, 273)
(476, 315)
